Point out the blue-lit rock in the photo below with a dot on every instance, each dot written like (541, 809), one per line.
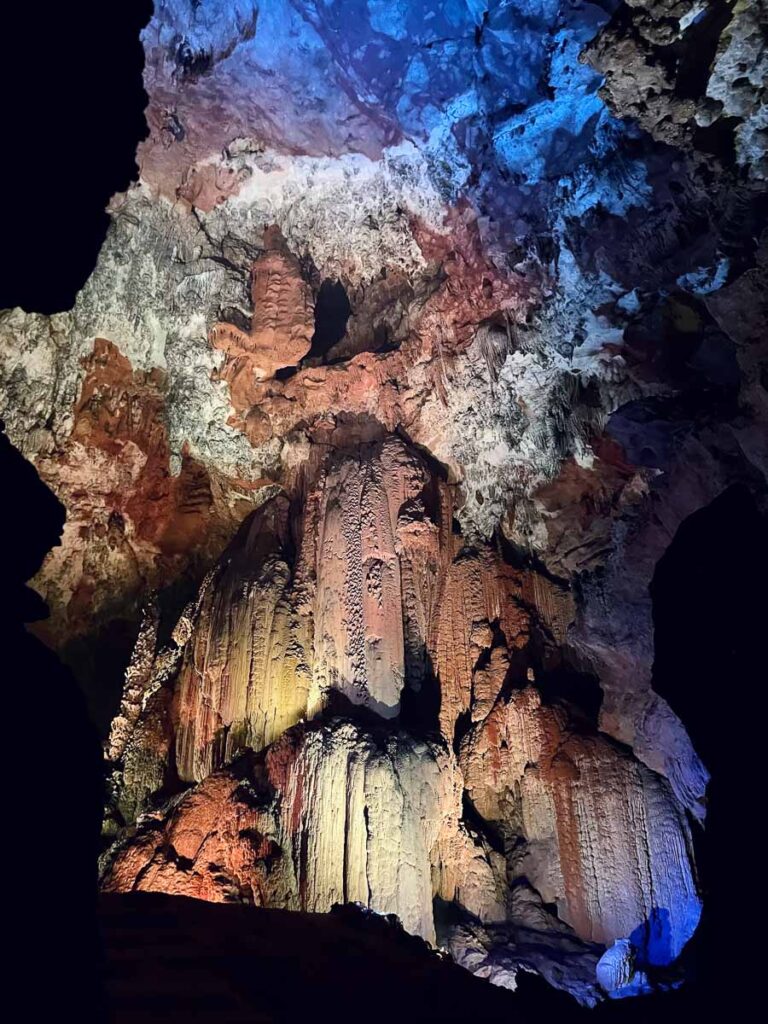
(617, 973)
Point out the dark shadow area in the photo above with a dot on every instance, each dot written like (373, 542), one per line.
(476, 823)
(420, 698)
(332, 310)
(691, 58)
(461, 729)
(557, 681)
(382, 339)
(53, 776)
(286, 372)
(710, 612)
(98, 661)
(710, 615)
(72, 113)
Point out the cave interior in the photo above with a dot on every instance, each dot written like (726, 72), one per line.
(385, 505)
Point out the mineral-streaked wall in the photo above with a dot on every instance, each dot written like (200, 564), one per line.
(380, 596)
(244, 678)
(605, 838)
(327, 815)
(393, 552)
(346, 808)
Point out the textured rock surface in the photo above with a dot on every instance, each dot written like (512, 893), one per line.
(603, 832)
(422, 332)
(337, 812)
(686, 64)
(616, 971)
(380, 597)
(532, 940)
(243, 679)
(281, 327)
(329, 814)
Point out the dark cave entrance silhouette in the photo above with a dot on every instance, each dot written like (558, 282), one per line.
(332, 311)
(55, 793)
(710, 622)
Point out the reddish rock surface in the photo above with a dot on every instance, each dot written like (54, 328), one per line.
(381, 595)
(281, 327)
(382, 606)
(132, 526)
(603, 831)
(328, 814)
(390, 592)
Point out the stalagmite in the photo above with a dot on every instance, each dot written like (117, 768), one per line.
(244, 679)
(330, 813)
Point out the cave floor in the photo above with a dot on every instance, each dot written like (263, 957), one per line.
(170, 958)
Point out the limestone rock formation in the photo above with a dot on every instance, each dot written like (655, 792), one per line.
(603, 832)
(423, 330)
(381, 597)
(688, 65)
(616, 971)
(334, 811)
(244, 678)
(281, 327)
(328, 814)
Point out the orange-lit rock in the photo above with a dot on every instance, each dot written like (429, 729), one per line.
(480, 598)
(131, 525)
(209, 848)
(352, 556)
(360, 598)
(380, 594)
(281, 327)
(474, 287)
(585, 502)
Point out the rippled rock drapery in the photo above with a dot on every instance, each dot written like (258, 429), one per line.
(380, 608)
(352, 819)
(424, 328)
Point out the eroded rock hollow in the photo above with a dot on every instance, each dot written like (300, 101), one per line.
(422, 331)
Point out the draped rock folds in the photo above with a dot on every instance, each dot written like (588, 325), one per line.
(329, 813)
(606, 840)
(345, 699)
(244, 677)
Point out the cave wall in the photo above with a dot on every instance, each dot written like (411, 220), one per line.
(351, 569)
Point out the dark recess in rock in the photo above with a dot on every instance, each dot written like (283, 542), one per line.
(53, 926)
(332, 310)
